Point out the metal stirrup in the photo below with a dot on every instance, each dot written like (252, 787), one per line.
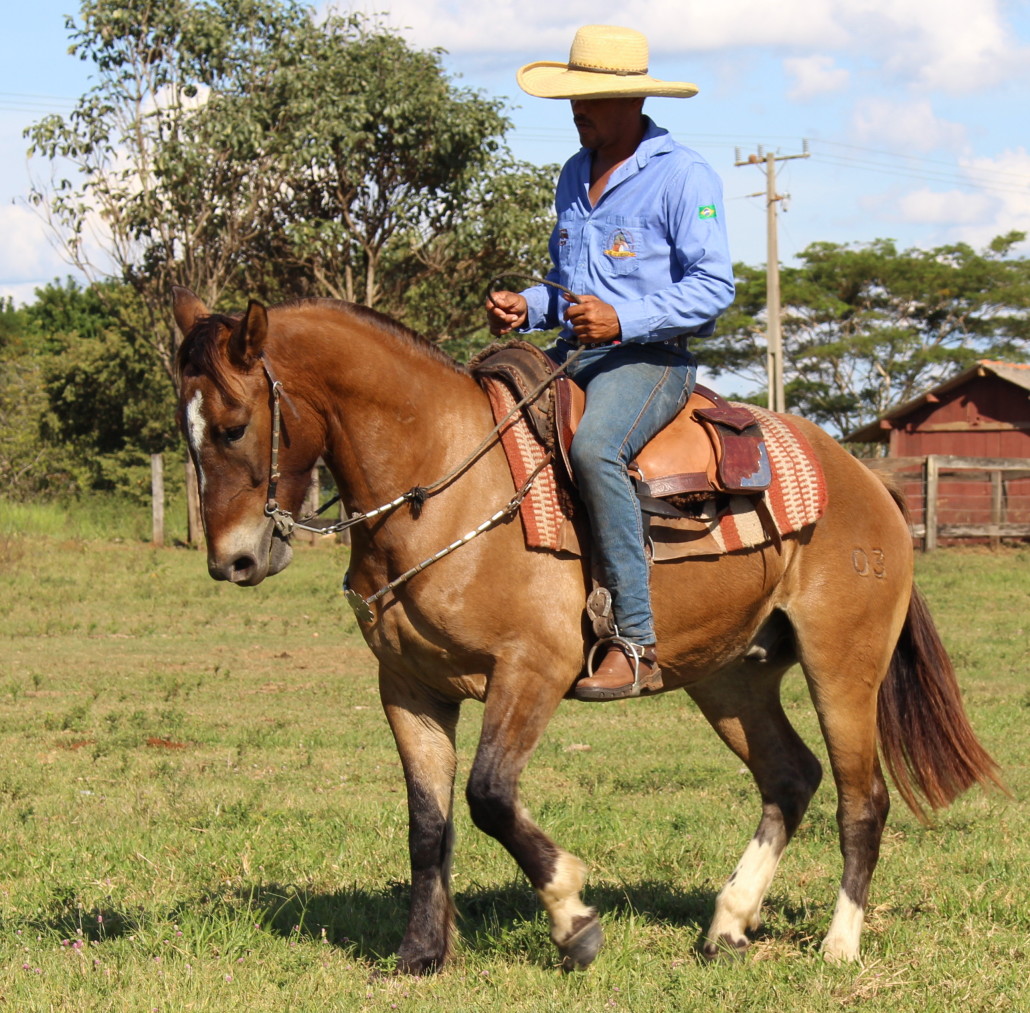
(635, 651)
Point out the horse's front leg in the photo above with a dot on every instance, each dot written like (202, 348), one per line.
(423, 727)
(516, 713)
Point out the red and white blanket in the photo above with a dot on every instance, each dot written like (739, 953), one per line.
(795, 499)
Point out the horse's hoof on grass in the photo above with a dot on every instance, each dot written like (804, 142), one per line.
(724, 949)
(416, 966)
(580, 949)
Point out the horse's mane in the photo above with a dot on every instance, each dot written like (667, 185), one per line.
(200, 352)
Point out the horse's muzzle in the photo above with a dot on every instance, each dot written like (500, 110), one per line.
(248, 565)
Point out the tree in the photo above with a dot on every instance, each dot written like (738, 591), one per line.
(156, 196)
(25, 461)
(247, 148)
(868, 327)
(241, 147)
(109, 407)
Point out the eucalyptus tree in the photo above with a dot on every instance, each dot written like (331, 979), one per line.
(147, 190)
(247, 147)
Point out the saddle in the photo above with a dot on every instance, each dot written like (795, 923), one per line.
(710, 447)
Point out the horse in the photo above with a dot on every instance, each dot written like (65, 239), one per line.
(406, 433)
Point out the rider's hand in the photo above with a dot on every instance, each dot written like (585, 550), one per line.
(593, 320)
(505, 311)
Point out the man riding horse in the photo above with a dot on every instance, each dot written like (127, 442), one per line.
(641, 232)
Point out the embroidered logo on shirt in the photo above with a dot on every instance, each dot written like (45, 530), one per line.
(706, 211)
(563, 237)
(620, 244)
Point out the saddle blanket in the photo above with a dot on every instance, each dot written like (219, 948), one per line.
(795, 499)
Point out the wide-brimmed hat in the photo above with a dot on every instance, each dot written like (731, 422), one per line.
(604, 62)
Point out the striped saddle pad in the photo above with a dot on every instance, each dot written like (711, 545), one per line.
(795, 499)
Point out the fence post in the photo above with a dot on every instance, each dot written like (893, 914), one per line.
(930, 504)
(997, 500)
(157, 498)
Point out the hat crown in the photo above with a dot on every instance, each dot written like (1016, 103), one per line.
(609, 48)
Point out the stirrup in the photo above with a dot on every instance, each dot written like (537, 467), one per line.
(634, 651)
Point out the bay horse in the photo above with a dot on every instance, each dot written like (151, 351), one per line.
(388, 412)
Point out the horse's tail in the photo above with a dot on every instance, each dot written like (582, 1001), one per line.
(926, 740)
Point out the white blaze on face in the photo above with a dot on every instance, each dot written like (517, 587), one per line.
(196, 430)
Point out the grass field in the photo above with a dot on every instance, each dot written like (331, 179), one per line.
(201, 809)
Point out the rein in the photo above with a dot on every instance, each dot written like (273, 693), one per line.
(285, 523)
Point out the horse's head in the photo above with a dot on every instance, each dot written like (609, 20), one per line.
(226, 409)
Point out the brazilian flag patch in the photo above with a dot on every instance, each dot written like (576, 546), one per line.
(706, 211)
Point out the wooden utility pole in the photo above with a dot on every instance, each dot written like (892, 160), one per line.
(774, 339)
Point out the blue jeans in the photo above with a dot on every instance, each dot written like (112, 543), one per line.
(633, 390)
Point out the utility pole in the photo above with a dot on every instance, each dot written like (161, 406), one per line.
(774, 338)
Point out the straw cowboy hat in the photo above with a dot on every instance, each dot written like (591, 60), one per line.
(604, 62)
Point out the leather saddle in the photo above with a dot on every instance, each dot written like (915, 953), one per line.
(712, 446)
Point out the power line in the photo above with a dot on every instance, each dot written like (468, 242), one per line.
(960, 177)
(19, 102)
(919, 158)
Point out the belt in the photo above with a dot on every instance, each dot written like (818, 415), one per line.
(679, 341)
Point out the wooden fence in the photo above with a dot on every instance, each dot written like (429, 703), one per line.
(954, 498)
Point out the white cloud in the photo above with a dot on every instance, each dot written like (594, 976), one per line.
(1006, 179)
(952, 46)
(26, 252)
(995, 201)
(815, 75)
(910, 126)
(945, 208)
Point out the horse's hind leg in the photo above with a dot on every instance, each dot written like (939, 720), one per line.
(423, 726)
(744, 708)
(847, 714)
(516, 714)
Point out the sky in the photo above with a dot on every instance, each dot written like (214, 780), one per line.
(914, 112)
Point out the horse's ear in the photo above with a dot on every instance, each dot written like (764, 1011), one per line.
(248, 338)
(187, 309)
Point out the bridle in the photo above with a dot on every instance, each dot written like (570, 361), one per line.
(285, 523)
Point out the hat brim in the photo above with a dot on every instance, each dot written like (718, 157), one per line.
(546, 79)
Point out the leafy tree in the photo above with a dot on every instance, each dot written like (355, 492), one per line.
(245, 147)
(148, 202)
(82, 405)
(23, 457)
(109, 405)
(241, 147)
(868, 327)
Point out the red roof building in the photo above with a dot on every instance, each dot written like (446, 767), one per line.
(954, 432)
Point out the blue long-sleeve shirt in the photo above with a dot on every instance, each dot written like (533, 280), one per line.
(654, 246)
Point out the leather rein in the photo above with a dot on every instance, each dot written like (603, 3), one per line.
(285, 523)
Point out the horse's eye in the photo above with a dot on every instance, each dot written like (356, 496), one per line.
(234, 434)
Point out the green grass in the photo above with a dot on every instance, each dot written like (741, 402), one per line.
(201, 809)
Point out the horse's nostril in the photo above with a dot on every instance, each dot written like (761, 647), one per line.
(242, 568)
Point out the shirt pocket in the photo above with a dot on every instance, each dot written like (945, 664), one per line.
(569, 236)
(620, 242)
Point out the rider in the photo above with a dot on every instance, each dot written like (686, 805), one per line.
(641, 240)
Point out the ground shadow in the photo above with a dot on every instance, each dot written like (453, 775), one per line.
(369, 924)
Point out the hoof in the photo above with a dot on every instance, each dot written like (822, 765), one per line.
(580, 949)
(417, 966)
(725, 949)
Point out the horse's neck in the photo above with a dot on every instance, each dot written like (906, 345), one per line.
(396, 416)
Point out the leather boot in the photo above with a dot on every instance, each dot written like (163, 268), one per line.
(627, 670)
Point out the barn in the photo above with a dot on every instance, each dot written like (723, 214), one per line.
(961, 453)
